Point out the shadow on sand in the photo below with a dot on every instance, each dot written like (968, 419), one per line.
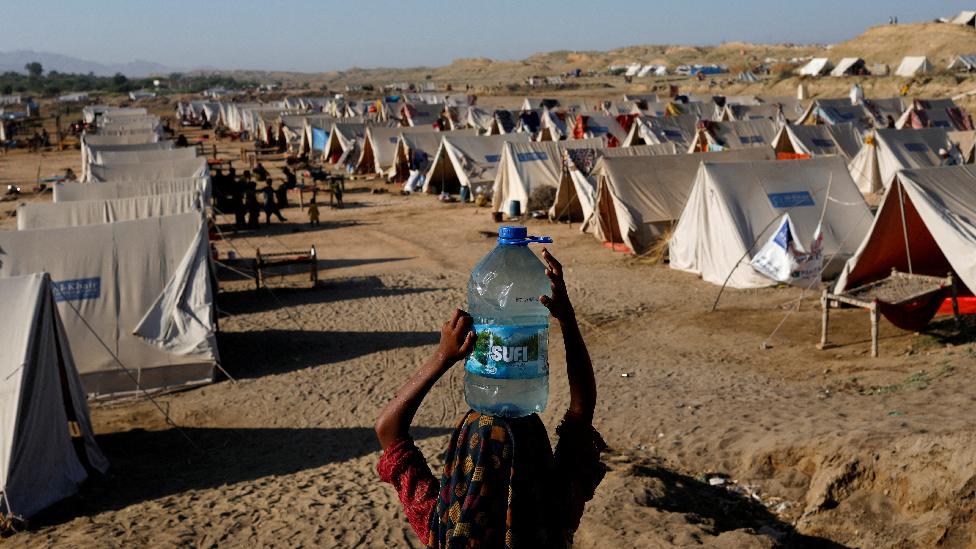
(274, 351)
(249, 301)
(147, 465)
(717, 510)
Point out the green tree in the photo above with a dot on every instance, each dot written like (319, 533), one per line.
(119, 79)
(34, 69)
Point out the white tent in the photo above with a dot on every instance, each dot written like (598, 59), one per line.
(52, 215)
(592, 125)
(41, 402)
(965, 18)
(379, 147)
(963, 63)
(821, 140)
(890, 151)
(913, 66)
(134, 292)
(467, 161)
(193, 167)
(815, 67)
(926, 224)
(415, 150)
(68, 192)
(742, 134)
(89, 151)
(344, 142)
(734, 206)
(848, 66)
(527, 166)
(680, 130)
(639, 197)
(766, 111)
(576, 193)
(91, 112)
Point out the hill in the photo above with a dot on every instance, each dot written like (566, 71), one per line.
(15, 60)
(889, 43)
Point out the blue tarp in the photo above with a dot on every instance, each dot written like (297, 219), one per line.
(319, 137)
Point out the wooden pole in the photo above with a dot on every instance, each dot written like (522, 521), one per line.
(875, 314)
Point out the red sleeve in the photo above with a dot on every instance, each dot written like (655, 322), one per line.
(403, 466)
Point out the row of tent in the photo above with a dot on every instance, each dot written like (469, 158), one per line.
(107, 291)
(910, 66)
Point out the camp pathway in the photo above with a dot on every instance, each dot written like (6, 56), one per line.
(286, 455)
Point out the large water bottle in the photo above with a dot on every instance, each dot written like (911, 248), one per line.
(507, 374)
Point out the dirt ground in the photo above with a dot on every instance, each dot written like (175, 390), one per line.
(715, 441)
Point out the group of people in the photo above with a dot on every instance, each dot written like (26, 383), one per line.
(240, 195)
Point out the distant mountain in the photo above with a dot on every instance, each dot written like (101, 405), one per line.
(15, 61)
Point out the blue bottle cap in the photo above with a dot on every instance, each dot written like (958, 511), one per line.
(519, 236)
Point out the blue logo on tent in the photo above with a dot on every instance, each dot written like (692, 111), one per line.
(823, 143)
(916, 147)
(746, 139)
(394, 140)
(78, 289)
(598, 129)
(492, 157)
(530, 156)
(672, 134)
(791, 200)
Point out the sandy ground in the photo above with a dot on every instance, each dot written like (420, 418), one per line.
(819, 447)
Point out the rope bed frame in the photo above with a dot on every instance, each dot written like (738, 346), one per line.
(886, 290)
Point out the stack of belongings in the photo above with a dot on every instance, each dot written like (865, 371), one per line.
(128, 253)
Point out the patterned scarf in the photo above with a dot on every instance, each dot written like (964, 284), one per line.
(475, 506)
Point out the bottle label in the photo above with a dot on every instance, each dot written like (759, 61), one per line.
(510, 352)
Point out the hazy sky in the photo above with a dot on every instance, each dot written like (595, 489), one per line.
(310, 35)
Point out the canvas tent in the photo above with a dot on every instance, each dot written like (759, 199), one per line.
(69, 192)
(926, 224)
(849, 66)
(415, 150)
(822, 140)
(193, 167)
(576, 192)
(743, 134)
(913, 66)
(965, 63)
(965, 18)
(41, 403)
(136, 290)
(467, 161)
(344, 142)
(599, 125)
(735, 205)
(889, 151)
(934, 113)
(638, 198)
(524, 167)
(39, 215)
(680, 130)
(89, 151)
(379, 147)
(766, 111)
(817, 66)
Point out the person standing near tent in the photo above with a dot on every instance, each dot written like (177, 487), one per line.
(313, 214)
(260, 172)
(502, 485)
(270, 207)
(946, 159)
(253, 208)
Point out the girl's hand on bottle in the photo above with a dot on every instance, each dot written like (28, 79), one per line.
(457, 338)
(558, 304)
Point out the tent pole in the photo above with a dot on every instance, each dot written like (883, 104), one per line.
(734, 267)
(904, 225)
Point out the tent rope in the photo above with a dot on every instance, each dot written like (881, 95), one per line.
(128, 372)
